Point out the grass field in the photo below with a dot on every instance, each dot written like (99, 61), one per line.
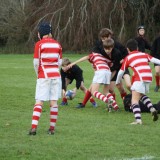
(81, 134)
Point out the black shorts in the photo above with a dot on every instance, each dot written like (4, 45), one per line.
(115, 76)
(127, 72)
(156, 64)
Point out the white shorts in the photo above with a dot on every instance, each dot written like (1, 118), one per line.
(48, 89)
(140, 87)
(102, 77)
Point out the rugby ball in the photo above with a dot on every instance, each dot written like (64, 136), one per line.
(69, 94)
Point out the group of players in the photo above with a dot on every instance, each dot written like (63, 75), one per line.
(115, 54)
(110, 62)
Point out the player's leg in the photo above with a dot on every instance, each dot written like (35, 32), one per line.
(87, 95)
(111, 89)
(135, 107)
(53, 116)
(42, 89)
(121, 89)
(85, 99)
(102, 77)
(53, 104)
(157, 77)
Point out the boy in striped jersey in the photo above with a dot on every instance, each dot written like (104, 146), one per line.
(141, 79)
(102, 75)
(47, 60)
(118, 53)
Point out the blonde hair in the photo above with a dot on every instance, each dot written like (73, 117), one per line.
(65, 62)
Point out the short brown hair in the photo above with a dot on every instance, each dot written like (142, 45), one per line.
(108, 43)
(105, 32)
(65, 62)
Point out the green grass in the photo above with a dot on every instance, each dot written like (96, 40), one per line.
(81, 134)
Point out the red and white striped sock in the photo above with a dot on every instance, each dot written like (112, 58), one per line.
(114, 104)
(53, 116)
(37, 110)
(100, 96)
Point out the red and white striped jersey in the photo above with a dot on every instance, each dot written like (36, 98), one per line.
(139, 63)
(49, 53)
(99, 62)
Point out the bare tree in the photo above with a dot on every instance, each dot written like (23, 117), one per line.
(76, 23)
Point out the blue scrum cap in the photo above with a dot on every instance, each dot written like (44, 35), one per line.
(44, 29)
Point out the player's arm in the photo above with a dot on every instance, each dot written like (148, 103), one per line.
(78, 61)
(121, 71)
(36, 58)
(119, 76)
(36, 65)
(60, 57)
(155, 60)
(63, 76)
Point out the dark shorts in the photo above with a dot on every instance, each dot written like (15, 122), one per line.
(115, 76)
(126, 72)
(156, 65)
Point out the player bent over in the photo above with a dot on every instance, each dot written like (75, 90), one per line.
(141, 79)
(47, 59)
(67, 78)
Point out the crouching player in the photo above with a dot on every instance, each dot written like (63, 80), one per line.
(67, 78)
(143, 105)
(141, 79)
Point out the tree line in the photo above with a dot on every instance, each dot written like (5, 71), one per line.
(76, 23)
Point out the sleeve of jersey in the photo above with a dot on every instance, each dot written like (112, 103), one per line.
(119, 76)
(121, 71)
(155, 60)
(36, 50)
(60, 57)
(90, 57)
(36, 65)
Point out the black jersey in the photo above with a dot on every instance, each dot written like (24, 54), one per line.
(98, 48)
(142, 44)
(73, 73)
(117, 54)
(155, 50)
